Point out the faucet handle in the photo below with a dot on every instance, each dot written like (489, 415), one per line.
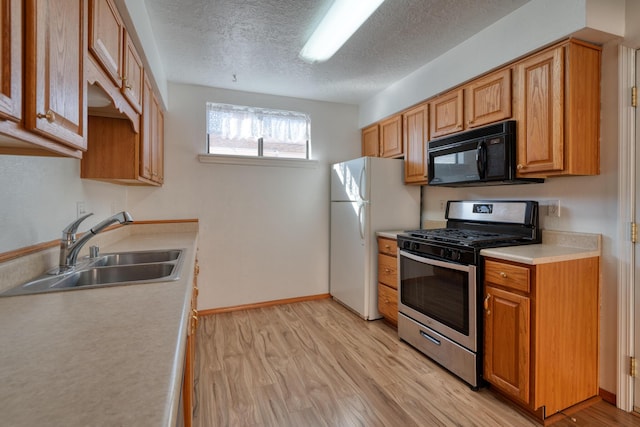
(73, 227)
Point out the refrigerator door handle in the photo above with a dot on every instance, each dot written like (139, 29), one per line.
(362, 175)
(361, 221)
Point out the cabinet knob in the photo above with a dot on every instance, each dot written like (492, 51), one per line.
(520, 166)
(49, 115)
(503, 274)
(387, 270)
(387, 247)
(125, 84)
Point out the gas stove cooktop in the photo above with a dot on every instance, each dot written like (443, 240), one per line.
(462, 236)
(475, 225)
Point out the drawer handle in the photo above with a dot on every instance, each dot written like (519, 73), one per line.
(503, 274)
(386, 270)
(387, 247)
(430, 338)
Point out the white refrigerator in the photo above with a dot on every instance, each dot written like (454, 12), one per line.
(367, 195)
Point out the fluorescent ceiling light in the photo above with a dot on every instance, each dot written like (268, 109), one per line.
(341, 21)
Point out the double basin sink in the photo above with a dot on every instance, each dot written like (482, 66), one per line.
(111, 269)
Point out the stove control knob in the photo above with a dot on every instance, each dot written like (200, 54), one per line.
(406, 245)
(415, 246)
(443, 253)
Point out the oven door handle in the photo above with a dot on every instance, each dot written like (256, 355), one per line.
(435, 262)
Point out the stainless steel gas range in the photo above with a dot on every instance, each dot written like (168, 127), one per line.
(440, 285)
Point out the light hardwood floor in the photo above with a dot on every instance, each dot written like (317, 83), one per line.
(317, 364)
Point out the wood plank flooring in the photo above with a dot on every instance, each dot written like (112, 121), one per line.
(317, 364)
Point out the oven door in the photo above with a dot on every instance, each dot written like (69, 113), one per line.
(440, 295)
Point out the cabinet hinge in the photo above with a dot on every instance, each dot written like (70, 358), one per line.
(634, 232)
(633, 367)
(634, 96)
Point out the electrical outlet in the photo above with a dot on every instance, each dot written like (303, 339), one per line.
(80, 209)
(553, 208)
(443, 205)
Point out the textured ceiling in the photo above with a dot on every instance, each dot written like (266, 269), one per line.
(206, 42)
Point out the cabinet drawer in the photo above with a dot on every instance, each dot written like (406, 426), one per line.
(387, 246)
(507, 275)
(388, 270)
(388, 303)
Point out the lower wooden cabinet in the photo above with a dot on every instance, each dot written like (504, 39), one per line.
(388, 279)
(190, 353)
(541, 332)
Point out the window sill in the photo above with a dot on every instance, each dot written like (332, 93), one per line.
(257, 161)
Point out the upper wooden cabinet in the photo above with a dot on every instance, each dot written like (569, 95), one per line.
(415, 125)
(110, 44)
(11, 57)
(152, 147)
(446, 113)
(371, 141)
(488, 99)
(391, 137)
(541, 332)
(106, 38)
(134, 74)
(55, 84)
(558, 111)
(119, 154)
(484, 100)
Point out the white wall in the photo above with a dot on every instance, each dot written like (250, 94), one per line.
(264, 231)
(38, 199)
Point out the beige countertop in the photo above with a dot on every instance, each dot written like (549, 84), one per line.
(556, 246)
(426, 224)
(109, 356)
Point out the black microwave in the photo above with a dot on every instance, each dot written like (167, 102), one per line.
(482, 156)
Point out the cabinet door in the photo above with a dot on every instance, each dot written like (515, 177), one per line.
(488, 99)
(152, 145)
(55, 84)
(11, 57)
(106, 32)
(157, 169)
(391, 137)
(446, 113)
(133, 74)
(388, 270)
(190, 353)
(415, 126)
(388, 303)
(146, 153)
(507, 345)
(540, 114)
(387, 246)
(370, 141)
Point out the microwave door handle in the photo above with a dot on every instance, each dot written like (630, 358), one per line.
(481, 159)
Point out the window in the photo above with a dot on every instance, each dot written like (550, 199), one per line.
(250, 131)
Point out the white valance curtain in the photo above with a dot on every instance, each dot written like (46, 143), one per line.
(239, 122)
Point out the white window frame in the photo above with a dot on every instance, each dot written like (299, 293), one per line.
(258, 160)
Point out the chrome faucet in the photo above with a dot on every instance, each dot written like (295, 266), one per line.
(70, 247)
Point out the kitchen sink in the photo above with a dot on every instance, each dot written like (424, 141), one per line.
(142, 257)
(125, 268)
